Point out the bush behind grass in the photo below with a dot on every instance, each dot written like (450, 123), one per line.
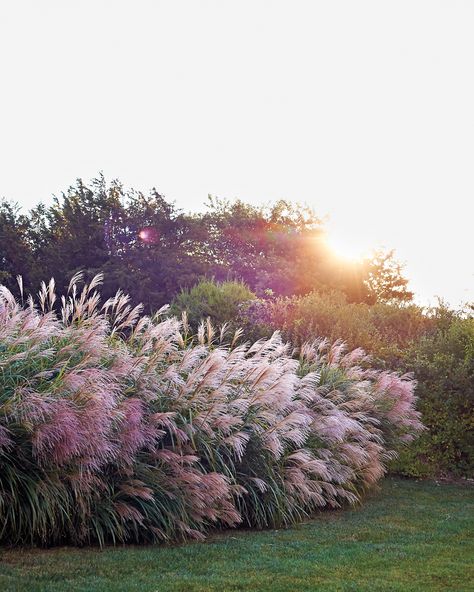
(444, 367)
(436, 345)
(219, 301)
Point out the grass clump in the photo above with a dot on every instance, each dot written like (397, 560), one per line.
(118, 427)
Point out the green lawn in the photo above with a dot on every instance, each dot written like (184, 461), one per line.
(409, 536)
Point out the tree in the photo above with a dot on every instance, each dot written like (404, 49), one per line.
(142, 243)
(278, 248)
(145, 246)
(384, 279)
(16, 256)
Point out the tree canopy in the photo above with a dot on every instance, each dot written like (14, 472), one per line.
(150, 249)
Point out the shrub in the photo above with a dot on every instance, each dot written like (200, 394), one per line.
(436, 345)
(220, 301)
(444, 366)
(383, 330)
(120, 427)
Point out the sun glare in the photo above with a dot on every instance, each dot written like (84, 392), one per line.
(345, 247)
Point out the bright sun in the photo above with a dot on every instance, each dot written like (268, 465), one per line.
(346, 247)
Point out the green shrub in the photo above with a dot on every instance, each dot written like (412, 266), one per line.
(383, 330)
(435, 344)
(219, 301)
(443, 364)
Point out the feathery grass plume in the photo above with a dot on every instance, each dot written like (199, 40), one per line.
(119, 427)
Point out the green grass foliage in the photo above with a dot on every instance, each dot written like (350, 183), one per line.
(411, 537)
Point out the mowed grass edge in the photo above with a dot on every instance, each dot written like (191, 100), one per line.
(410, 536)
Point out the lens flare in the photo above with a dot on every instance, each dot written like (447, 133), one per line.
(148, 235)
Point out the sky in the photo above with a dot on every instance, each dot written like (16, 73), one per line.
(363, 110)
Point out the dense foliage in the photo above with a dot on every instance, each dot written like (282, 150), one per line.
(120, 427)
(219, 301)
(444, 366)
(271, 270)
(383, 330)
(437, 345)
(151, 250)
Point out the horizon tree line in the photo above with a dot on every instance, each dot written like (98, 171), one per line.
(147, 247)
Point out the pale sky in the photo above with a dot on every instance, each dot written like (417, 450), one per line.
(364, 110)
